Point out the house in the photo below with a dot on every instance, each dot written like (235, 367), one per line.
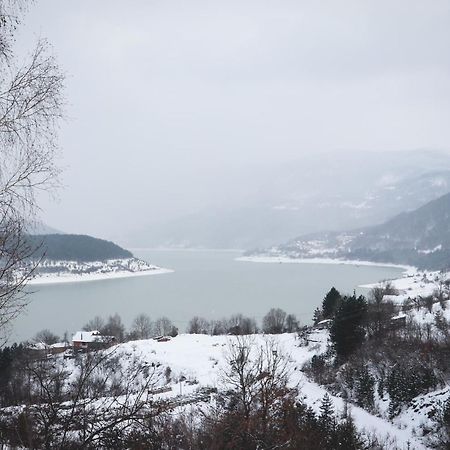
(38, 350)
(58, 347)
(43, 350)
(91, 340)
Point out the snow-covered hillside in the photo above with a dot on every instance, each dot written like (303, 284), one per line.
(197, 363)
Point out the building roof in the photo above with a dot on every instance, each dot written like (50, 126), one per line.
(324, 322)
(91, 336)
(399, 316)
(59, 345)
(37, 346)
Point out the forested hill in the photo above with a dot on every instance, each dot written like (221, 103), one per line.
(425, 228)
(420, 238)
(76, 247)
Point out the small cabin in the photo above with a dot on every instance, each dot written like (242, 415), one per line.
(91, 340)
(58, 347)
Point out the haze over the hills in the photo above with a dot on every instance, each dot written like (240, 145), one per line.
(315, 193)
(207, 110)
(420, 238)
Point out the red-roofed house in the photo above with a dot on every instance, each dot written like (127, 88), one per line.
(91, 340)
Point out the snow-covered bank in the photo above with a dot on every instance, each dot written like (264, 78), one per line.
(200, 360)
(51, 272)
(72, 278)
(287, 260)
(414, 284)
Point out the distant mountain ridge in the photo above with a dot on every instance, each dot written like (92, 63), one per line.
(338, 190)
(420, 238)
(75, 247)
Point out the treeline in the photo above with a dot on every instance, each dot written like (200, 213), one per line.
(276, 321)
(75, 247)
(142, 327)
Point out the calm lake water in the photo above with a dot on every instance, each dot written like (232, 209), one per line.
(208, 283)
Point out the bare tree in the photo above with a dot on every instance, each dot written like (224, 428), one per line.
(380, 310)
(274, 321)
(199, 325)
(95, 324)
(219, 327)
(31, 107)
(142, 327)
(114, 327)
(164, 326)
(242, 372)
(257, 376)
(291, 324)
(239, 324)
(96, 406)
(442, 288)
(47, 337)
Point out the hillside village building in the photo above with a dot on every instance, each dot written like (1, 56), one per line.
(91, 340)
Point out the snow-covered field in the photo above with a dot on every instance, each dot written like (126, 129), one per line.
(200, 361)
(50, 272)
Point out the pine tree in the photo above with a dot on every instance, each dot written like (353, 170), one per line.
(347, 436)
(326, 417)
(330, 303)
(317, 316)
(446, 414)
(365, 389)
(347, 330)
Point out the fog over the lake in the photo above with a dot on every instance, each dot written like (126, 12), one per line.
(175, 106)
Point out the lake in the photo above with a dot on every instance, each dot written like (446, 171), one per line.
(208, 283)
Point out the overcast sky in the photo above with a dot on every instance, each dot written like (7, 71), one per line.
(166, 99)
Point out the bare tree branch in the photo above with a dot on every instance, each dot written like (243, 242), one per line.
(31, 107)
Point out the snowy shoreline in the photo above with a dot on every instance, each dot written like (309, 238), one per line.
(287, 260)
(77, 278)
(409, 283)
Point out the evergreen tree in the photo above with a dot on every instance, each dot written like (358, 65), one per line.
(446, 413)
(406, 381)
(330, 303)
(347, 437)
(317, 316)
(347, 330)
(364, 390)
(326, 417)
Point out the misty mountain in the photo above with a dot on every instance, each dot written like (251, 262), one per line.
(74, 247)
(420, 238)
(39, 227)
(315, 193)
